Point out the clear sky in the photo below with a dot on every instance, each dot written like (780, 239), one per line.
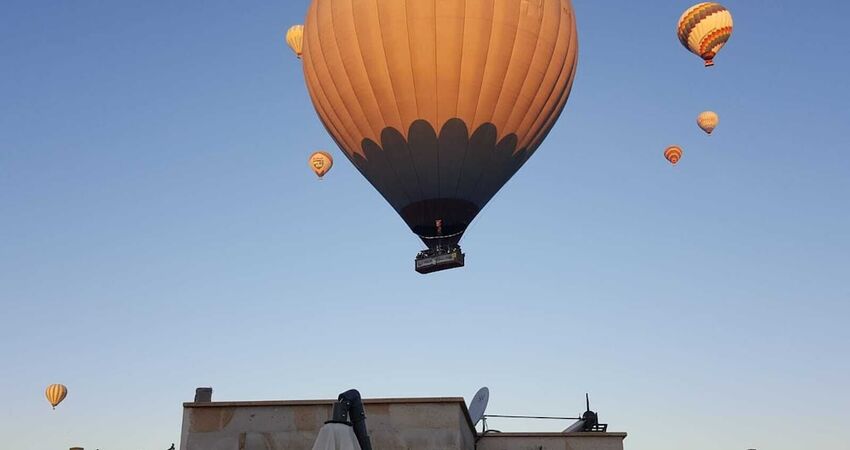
(160, 230)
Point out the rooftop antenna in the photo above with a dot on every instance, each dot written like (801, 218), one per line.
(589, 421)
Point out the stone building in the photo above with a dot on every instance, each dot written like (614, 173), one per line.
(393, 424)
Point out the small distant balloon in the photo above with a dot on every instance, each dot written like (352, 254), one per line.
(321, 163)
(55, 393)
(295, 39)
(704, 29)
(673, 154)
(708, 120)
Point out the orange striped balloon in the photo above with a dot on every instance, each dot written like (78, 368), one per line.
(55, 393)
(673, 154)
(704, 29)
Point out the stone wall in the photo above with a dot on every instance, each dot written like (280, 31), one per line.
(429, 423)
(552, 441)
(394, 424)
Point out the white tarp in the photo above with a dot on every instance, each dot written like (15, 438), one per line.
(336, 436)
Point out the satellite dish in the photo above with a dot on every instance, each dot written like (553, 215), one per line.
(478, 405)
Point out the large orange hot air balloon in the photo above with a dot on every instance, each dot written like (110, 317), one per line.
(704, 29)
(55, 393)
(439, 103)
(321, 163)
(673, 154)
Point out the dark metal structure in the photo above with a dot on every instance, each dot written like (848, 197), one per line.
(349, 410)
(589, 422)
(203, 395)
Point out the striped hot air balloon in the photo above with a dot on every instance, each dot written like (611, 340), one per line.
(704, 29)
(439, 103)
(673, 154)
(295, 39)
(55, 393)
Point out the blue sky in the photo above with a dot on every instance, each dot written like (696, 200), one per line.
(160, 230)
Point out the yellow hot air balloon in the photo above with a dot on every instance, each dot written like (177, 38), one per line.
(673, 154)
(55, 393)
(439, 103)
(704, 29)
(295, 39)
(321, 163)
(708, 120)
